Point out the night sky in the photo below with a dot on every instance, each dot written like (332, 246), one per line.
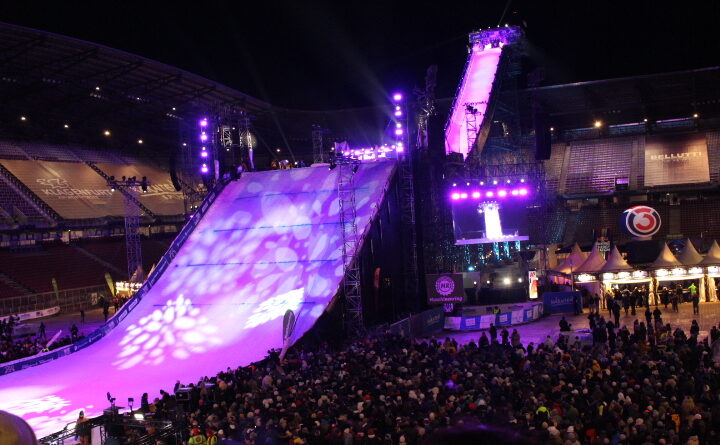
(342, 54)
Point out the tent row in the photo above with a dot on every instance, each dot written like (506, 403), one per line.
(595, 272)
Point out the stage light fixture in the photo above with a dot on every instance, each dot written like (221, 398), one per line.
(106, 132)
(455, 196)
(204, 168)
(494, 181)
(398, 131)
(598, 124)
(506, 281)
(203, 137)
(184, 144)
(140, 141)
(522, 179)
(66, 126)
(696, 115)
(502, 193)
(397, 97)
(463, 195)
(523, 192)
(23, 118)
(489, 194)
(476, 195)
(398, 113)
(203, 122)
(277, 150)
(97, 88)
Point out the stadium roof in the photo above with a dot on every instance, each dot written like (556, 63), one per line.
(623, 100)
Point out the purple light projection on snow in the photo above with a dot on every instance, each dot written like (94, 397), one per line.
(476, 87)
(270, 242)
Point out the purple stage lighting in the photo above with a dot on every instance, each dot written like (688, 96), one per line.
(203, 137)
(203, 154)
(514, 192)
(204, 168)
(489, 194)
(398, 131)
(523, 192)
(476, 195)
(203, 122)
(455, 196)
(502, 193)
(398, 113)
(397, 97)
(463, 195)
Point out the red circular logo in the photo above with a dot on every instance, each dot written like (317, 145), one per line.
(642, 221)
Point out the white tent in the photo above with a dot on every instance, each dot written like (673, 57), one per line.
(713, 255)
(689, 255)
(616, 263)
(576, 258)
(666, 259)
(593, 263)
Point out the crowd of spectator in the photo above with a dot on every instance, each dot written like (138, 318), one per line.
(641, 387)
(16, 347)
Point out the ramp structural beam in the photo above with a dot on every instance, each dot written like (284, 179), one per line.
(317, 142)
(352, 291)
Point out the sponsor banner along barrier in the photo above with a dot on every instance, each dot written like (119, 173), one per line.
(520, 313)
(558, 302)
(419, 325)
(34, 314)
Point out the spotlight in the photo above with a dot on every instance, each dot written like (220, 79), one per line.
(502, 193)
(482, 182)
(489, 194)
(507, 182)
(454, 184)
(66, 126)
(277, 150)
(184, 144)
(523, 192)
(398, 132)
(398, 125)
(140, 141)
(598, 124)
(494, 181)
(203, 122)
(506, 280)
(522, 179)
(463, 195)
(514, 192)
(398, 113)
(204, 168)
(476, 195)
(23, 118)
(397, 97)
(455, 195)
(203, 137)
(97, 88)
(106, 132)
(696, 115)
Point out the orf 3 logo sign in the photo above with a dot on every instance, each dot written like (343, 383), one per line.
(641, 221)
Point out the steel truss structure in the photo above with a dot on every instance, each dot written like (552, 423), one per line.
(352, 289)
(129, 189)
(317, 143)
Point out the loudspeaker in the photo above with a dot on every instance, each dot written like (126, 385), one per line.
(436, 134)
(543, 139)
(173, 171)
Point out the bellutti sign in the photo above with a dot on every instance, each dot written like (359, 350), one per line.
(445, 288)
(676, 159)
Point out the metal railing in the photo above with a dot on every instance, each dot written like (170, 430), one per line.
(69, 300)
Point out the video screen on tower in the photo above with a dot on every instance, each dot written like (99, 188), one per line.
(490, 214)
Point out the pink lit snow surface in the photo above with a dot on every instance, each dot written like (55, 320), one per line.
(270, 242)
(476, 88)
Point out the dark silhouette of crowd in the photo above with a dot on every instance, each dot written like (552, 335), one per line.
(647, 384)
(14, 348)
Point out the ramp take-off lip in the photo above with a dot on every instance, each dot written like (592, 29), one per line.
(270, 242)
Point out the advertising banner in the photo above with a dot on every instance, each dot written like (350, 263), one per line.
(445, 288)
(532, 284)
(676, 159)
(433, 320)
(558, 302)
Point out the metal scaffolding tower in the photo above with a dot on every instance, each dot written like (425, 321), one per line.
(132, 236)
(129, 189)
(471, 122)
(352, 291)
(408, 219)
(317, 142)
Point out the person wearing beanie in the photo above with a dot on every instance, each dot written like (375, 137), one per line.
(15, 431)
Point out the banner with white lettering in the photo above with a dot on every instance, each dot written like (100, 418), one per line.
(76, 191)
(445, 288)
(676, 159)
